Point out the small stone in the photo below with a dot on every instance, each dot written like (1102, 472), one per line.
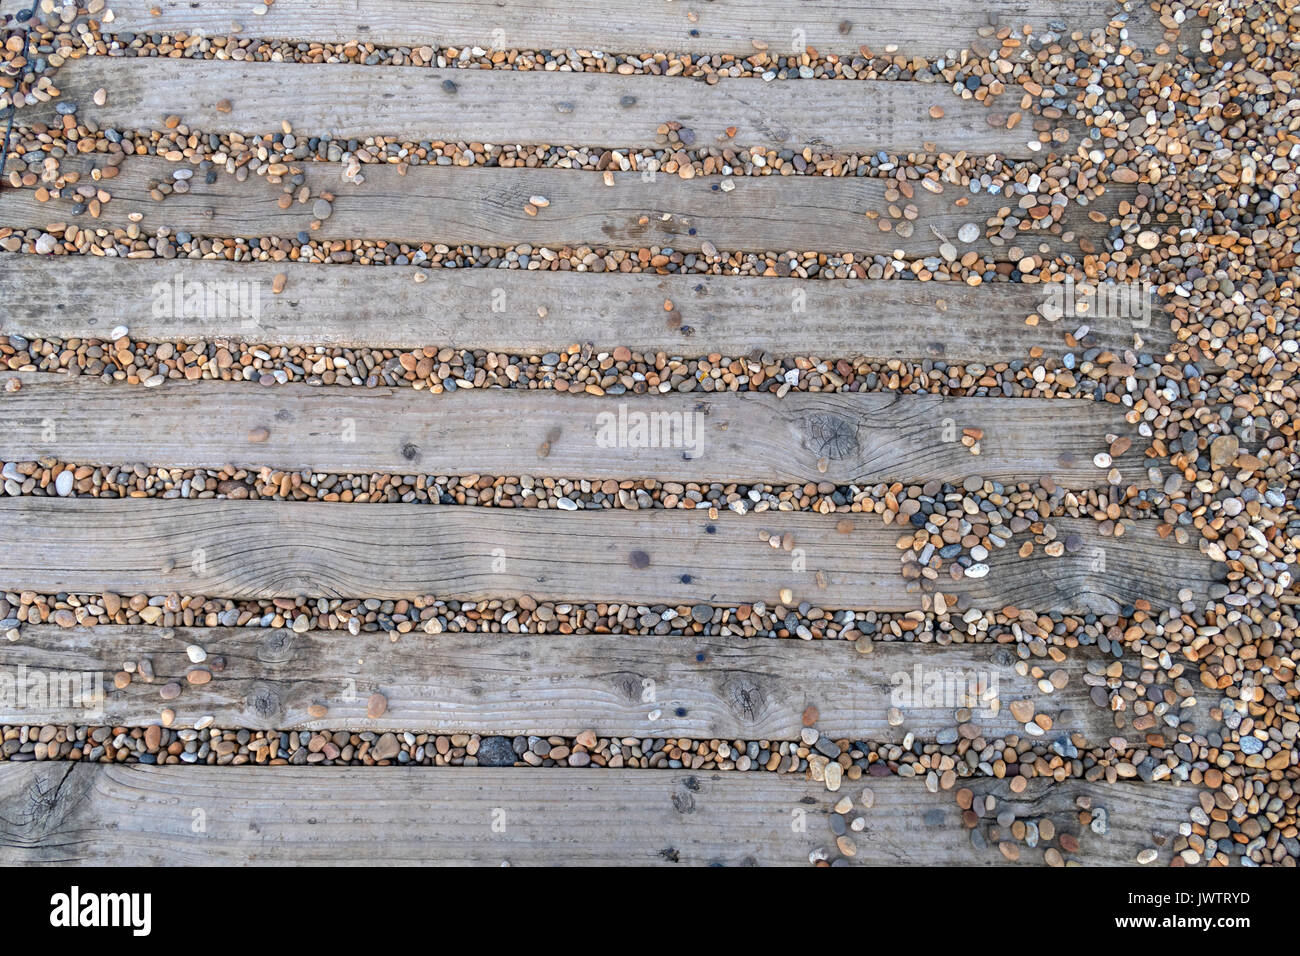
(386, 747)
(1022, 710)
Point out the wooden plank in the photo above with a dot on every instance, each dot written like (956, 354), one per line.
(135, 815)
(704, 687)
(498, 309)
(415, 104)
(849, 438)
(926, 28)
(485, 205)
(245, 549)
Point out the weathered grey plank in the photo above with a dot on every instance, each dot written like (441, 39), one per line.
(64, 813)
(282, 549)
(415, 104)
(849, 438)
(485, 205)
(915, 27)
(532, 312)
(701, 687)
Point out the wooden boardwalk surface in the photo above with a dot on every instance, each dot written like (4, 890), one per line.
(284, 549)
(68, 813)
(677, 268)
(416, 104)
(623, 210)
(926, 28)
(515, 685)
(859, 438)
(533, 311)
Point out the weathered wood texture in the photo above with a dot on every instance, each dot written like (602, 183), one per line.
(498, 309)
(700, 687)
(915, 27)
(247, 549)
(849, 438)
(485, 205)
(63, 813)
(415, 104)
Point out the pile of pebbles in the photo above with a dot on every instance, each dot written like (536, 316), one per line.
(1085, 371)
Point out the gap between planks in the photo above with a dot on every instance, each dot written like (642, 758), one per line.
(485, 206)
(267, 549)
(535, 311)
(926, 28)
(604, 110)
(63, 812)
(849, 438)
(525, 684)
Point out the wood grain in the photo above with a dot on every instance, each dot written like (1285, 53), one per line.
(517, 684)
(63, 812)
(848, 438)
(926, 28)
(485, 205)
(534, 311)
(245, 549)
(415, 104)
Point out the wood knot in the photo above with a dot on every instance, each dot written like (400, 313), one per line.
(265, 702)
(276, 647)
(628, 685)
(51, 793)
(744, 696)
(831, 436)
